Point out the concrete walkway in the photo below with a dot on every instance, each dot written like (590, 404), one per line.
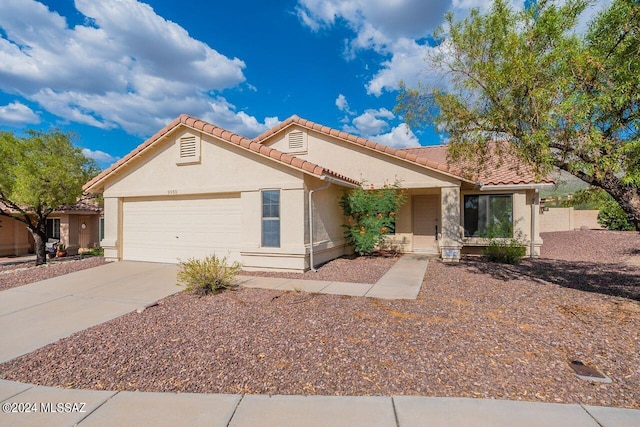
(34, 315)
(402, 281)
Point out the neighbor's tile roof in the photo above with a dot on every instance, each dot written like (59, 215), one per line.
(233, 138)
(508, 172)
(395, 152)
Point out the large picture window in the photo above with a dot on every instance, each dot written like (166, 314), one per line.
(271, 218)
(488, 215)
(53, 228)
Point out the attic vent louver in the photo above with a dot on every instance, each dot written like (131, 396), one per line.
(188, 150)
(188, 147)
(296, 141)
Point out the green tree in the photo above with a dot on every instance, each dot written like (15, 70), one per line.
(41, 171)
(528, 83)
(371, 215)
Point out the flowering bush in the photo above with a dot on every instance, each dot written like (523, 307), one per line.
(371, 214)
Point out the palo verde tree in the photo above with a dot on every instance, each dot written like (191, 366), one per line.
(41, 171)
(552, 94)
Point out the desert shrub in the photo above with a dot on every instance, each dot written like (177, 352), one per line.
(506, 250)
(207, 276)
(93, 252)
(371, 215)
(612, 217)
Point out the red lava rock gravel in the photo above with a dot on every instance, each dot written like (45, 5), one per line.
(365, 269)
(476, 330)
(24, 273)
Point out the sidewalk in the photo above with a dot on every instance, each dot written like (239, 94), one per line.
(34, 315)
(109, 408)
(402, 281)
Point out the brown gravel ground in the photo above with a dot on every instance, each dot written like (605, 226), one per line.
(13, 275)
(365, 269)
(476, 330)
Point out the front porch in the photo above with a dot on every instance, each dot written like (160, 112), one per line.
(433, 220)
(429, 222)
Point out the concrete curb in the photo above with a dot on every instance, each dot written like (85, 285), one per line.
(26, 404)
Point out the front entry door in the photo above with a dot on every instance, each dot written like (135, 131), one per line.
(426, 222)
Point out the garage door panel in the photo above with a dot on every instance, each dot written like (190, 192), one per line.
(178, 229)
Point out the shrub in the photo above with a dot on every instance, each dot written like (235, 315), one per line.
(507, 250)
(371, 214)
(207, 276)
(612, 217)
(92, 252)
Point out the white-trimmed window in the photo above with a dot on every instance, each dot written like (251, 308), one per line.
(53, 228)
(188, 149)
(271, 218)
(296, 141)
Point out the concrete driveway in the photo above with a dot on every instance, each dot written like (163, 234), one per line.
(40, 313)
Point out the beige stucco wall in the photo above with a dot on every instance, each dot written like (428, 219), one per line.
(361, 163)
(565, 219)
(328, 233)
(14, 237)
(223, 168)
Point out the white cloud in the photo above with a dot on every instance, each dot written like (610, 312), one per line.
(400, 136)
(373, 123)
(390, 28)
(395, 28)
(223, 114)
(370, 122)
(99, 156)
(341, 103)
(16, 114)
(127, 67)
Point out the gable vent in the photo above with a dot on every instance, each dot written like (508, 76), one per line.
(296, 141)
(187, 147)
(188, 150)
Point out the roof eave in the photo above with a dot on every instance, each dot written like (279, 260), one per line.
(505, 187)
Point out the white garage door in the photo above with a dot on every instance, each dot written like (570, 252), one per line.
(173, 230)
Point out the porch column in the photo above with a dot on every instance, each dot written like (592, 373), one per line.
(111, 228)
(450, 241)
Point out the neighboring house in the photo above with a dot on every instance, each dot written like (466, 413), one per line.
(194, 189)
(76, 226)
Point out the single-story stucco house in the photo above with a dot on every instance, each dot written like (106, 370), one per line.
(271, 202)
(77, 226)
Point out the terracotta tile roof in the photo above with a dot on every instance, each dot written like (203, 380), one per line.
(81, 206)
(230, 137)
(395, 152)
(508, 172)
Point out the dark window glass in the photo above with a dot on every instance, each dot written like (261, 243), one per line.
(488, 215)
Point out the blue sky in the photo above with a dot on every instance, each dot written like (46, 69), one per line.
(116, 71)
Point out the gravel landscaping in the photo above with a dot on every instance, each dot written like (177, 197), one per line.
(23, 273)
(476, 330)
(365, 269)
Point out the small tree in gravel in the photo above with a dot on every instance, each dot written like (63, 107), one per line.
(39, 172)
(371, 215)
(210, 275)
